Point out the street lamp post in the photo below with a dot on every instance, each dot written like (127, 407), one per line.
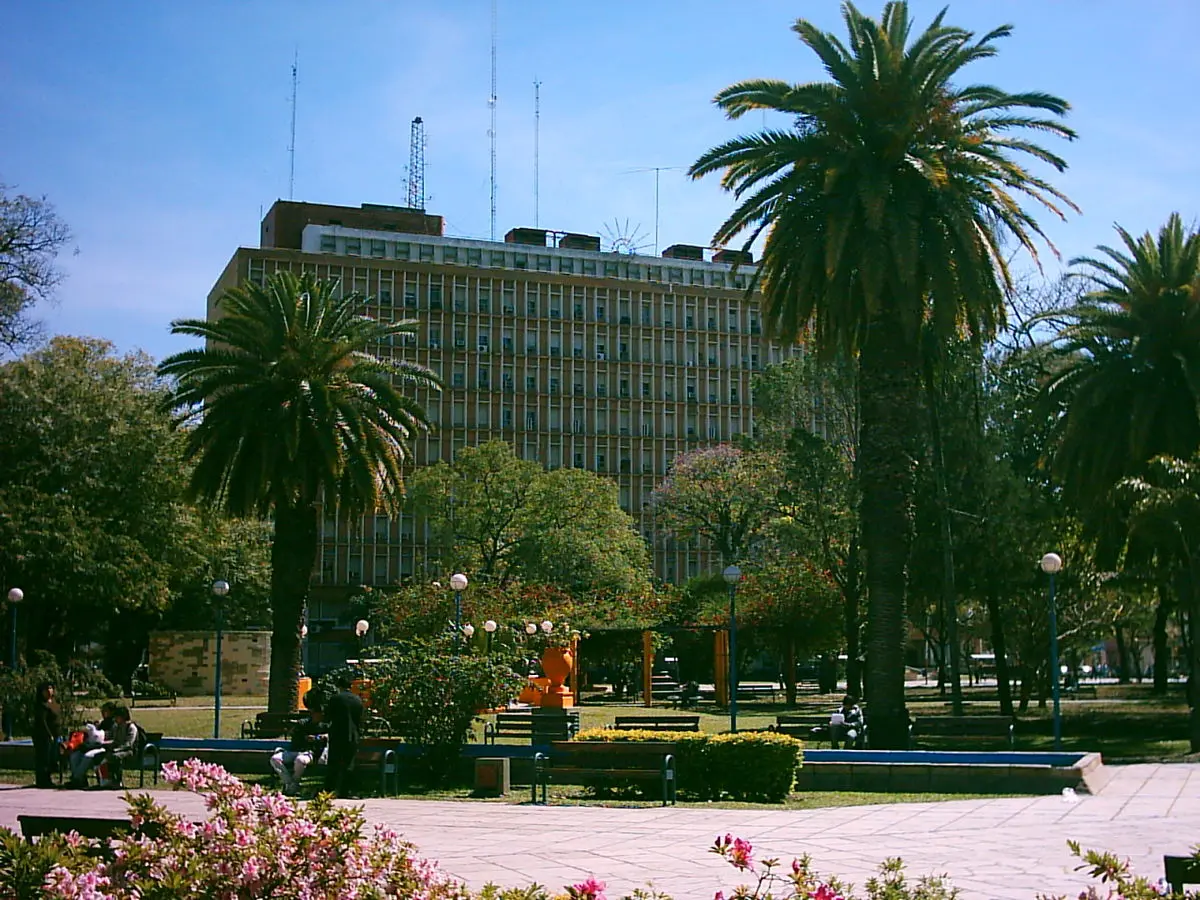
(732, 575)
(15, 596)
(220, 589)
(458, 581)
(1051, 565)
(489, 628)
(361, 627)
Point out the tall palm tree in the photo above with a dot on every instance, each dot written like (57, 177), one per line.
(286, 408)
(1126, 368)
(884, 206)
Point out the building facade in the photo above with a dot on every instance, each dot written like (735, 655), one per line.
(608, 362)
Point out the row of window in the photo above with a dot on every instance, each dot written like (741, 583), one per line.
(500, 256)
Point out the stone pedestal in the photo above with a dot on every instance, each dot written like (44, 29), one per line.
(492, 776)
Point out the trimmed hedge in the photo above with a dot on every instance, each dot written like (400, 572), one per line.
(751, 765)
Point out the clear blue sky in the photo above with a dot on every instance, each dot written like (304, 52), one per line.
(161, 129)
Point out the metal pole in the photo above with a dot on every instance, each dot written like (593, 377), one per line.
(733, 682)
(217, 687)
(12, 648)
(1054, 668)
(458, 621)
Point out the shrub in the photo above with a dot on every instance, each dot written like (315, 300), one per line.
(17, 692)
(254, 844)
(751, 765)
(24, 866)
(431, 697)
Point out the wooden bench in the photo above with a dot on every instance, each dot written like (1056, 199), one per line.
(380, 754)
(273, 725)
(1181, 871)
(86, 826)
(539, 729)
(1080, 690)
(656, 723)
(963, 727)
(754, 691)
(810, 727)
(587, 762)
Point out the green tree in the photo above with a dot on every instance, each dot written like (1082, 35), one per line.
(503, 518)
(90, 482)
(284, 408)
(884, 207)
(721, 494)
(31, 236)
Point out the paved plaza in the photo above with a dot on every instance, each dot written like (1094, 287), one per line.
(996, 849)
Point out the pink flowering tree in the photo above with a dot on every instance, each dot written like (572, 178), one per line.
(254, 843)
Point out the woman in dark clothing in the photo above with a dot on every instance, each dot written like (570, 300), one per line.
(47, 726)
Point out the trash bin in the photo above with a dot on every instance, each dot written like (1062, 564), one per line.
(305, 684)
(492, 778)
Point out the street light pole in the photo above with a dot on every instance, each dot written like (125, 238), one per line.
(490, 627)
(219, 589)
(1051, 565)
(732, 575)
(458, 581)
(15, 596)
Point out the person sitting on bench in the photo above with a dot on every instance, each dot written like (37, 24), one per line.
(308, 743)
(846, 725)
(120, 746)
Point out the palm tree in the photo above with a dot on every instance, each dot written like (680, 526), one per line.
(286, 409)
(1165, 511)
(1126, 367)
(884, 207)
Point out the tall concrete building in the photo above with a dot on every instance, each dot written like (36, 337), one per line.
(609, 362)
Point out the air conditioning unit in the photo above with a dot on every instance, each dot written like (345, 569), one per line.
(460, 345)
(509, 310)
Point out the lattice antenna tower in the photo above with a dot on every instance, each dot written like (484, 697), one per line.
(416, 165)
(292, 145)
(492, 130)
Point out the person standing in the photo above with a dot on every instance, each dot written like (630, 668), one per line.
(47, 728)
(343, 714)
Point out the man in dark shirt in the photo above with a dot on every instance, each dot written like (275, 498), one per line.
(343, 714)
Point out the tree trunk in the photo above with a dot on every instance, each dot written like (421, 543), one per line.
(1000, 648)
(1027, 677)
(1122, 654)
(890, 388)
(851, 620)
(1190, 597)
(293, 555)
(1162, 650)
(789, 672)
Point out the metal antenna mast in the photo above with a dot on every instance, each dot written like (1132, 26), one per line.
(416, 165)
(537, 126)
(492, 130)
(292, 146)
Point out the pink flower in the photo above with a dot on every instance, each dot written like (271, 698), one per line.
(587, 890)
(825, 892)
(740, 856)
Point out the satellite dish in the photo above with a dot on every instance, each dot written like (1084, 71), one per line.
(621, 237)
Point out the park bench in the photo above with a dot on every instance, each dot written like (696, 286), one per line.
(1181, 871)
(963, 727)
(811, 727)
(273, 725)
(1080, 690)
(656, 723)
(590, 762)
(755, 691)
(538, 728)
(145, 755)
(86, 826)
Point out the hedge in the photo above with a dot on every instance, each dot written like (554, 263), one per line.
(750, 765)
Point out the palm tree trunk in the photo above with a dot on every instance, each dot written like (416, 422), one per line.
(851, 619)
(293, 555)
(891, 392)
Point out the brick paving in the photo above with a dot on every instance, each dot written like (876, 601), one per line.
(993, 849)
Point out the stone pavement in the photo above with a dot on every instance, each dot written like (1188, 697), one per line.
(993, 849)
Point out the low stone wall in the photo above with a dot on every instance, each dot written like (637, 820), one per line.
(185, 661)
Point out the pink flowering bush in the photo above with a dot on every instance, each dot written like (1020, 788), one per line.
(254, 844)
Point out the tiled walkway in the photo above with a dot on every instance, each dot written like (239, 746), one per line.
(992, 849)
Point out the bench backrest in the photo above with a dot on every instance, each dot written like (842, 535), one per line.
(88, 827)
(805, 720)
(657, 723)
(962, 725)
(611, 754)
(1181, 871)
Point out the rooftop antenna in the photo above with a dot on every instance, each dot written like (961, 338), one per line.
(292, 146)
(537, 125)
(416, 165)
(656, 170)
(492, 130)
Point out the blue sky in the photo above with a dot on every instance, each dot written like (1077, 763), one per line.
(160, 130)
